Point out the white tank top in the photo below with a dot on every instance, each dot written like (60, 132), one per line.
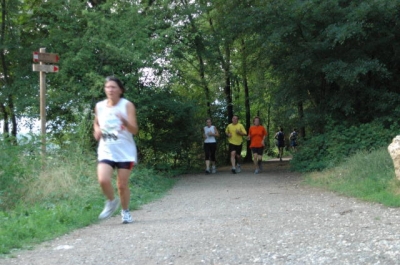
(209, 139)
(116, 143)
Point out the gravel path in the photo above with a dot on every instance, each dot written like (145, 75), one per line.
(269, 218)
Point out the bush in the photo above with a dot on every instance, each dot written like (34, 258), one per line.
(18, 163)
(167, 126)
(339, 142)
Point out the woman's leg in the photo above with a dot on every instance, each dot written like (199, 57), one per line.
(104, 175)
(123, 187)
(207, 164)
(255, 160)
(207, 156)
(213, 150)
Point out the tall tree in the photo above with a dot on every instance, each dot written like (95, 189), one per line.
(331, 58)
(9, 9)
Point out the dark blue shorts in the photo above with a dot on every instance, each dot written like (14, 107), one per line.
(280, 143)
(119, 165)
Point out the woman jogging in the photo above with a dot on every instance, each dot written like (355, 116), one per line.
(256, 136)
(114, 126)
(210, 133)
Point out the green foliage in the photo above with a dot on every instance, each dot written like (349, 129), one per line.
(147, 185)
(303, 62)
(17, 164)
(334, 146)
(92, 44)
(167, 126)
(30, 224)
(366, 175)
(23, 178)
(337, 59)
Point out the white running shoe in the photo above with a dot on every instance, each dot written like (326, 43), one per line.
(238, 168)
(109, 208)
(126, 217)
(213, 170)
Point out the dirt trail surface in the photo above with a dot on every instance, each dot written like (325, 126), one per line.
(269, 218)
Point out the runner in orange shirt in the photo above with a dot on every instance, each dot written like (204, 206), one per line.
(256, 136)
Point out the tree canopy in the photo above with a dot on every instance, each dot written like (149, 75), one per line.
(310, 64)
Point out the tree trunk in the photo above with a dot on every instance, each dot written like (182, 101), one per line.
(302, 129)
(267, 145)
(248, 157)
(13, 118)
(199, 52)
(203, 81)
(227, 89)
(8, 112)
(6, 129)
(225, 64)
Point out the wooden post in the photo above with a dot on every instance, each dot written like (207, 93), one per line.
(43, 58)
(43, 108)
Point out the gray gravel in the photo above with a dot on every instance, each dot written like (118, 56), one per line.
(269, 218)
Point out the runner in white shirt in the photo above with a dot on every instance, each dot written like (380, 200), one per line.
(114, 126)
(210, 145)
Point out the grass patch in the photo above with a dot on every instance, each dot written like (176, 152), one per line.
(62, 197)
(366, 175)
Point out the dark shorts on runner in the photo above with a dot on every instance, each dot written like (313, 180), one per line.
(119, 165)
(280, 144)
(209, 151)
(237, 148)
(257, 150)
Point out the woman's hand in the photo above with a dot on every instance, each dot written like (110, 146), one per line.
(97, 134)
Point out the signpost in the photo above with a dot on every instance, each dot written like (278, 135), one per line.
(48, 68)
(43, 57)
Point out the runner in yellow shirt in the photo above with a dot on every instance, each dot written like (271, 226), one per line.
(235, 132)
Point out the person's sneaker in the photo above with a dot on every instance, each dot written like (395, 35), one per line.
(260, 165)
(256, 171)
(238, 168)
(207, 172)
(109, 208)
(213, 170)
(233, 171)
(126, 217)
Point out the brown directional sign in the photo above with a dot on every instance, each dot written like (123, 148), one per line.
(45, 57)
(48, 68)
